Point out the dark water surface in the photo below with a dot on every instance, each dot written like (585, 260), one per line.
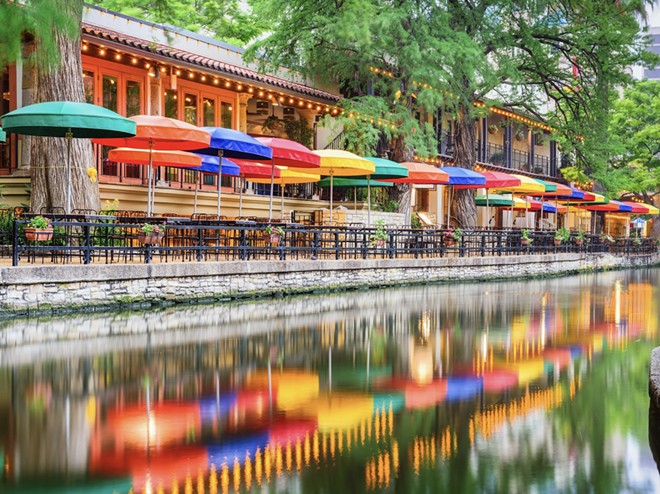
(536, 386)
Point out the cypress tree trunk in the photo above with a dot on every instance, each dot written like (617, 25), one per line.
(61, 81)
(402, 193)
(463, 208)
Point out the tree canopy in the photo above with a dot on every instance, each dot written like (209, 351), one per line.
(232, 21)
(399, 60)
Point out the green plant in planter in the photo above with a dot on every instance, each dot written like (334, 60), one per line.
(562, 235)
(149, 229)
(526, 237)
(581, 236)
(39, 222)
(457, 234)
(380, 236)
(607, 239)
(493, 129)
(635, 239)
(274, 230)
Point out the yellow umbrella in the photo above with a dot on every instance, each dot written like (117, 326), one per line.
(288, 176)
(528, 186)
(527, 370)
(340, 411)
(335, 162)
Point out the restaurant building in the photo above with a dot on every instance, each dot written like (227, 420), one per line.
(136, 67)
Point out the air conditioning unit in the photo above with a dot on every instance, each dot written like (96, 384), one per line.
(258, 107)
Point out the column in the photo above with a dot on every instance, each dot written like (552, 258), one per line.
(241, 115)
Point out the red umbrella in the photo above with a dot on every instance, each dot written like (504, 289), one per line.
(288, 153)
(494, 180)
(636, 207)
(250, 169)
(161, 133)
(421, 173)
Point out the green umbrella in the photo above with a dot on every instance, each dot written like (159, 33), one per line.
(67, 119)
(493, 200)
(384, 169)
(3, 135)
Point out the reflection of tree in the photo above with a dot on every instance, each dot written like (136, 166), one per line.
(607, 405)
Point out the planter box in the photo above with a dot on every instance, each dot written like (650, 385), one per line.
(272, 238)
(525, 242)
(556, 242)
(38, 235)
(150, 238)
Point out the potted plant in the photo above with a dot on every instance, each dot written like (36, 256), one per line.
(606, 239)
(561, 236)
(273, 234)
(380, 236)
(580, 237)
(526, 238)
(39, 229)
(151, 234)
(452, 236)
(636, 240)
(492, 129)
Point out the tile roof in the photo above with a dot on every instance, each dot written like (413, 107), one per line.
(93, 32)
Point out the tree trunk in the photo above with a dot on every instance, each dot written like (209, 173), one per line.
(402, 193)
(61, 81)
(463, 208)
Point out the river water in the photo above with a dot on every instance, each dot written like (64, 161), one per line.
(535, 386)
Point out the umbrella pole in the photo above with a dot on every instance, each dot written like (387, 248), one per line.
(272, 184)
(355, 198)
(449, 192)
(197, 185)
(330, 197)
(487, 212)
(369, 201)
(150, 179)
(220, 153)
(526, 212)
(282, 201)
(240, 198)
(69, 138)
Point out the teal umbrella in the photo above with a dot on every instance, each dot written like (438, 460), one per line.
(67, 119)
(493, 200)
(3, 135)
(384, 169)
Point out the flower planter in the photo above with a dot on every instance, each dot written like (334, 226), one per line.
(579, 242)
(39, 235)
(272, 238)
(379, 242)
(449, 241)
(556, 242)
(150, 238)
(525, 242)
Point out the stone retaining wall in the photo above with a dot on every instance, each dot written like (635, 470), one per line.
(40, 289)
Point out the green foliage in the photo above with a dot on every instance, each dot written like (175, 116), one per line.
(39, 222)
(562, 234)
(40, 19)
(299, 131)
(380, 233)
(415, 222)
(581, 234)
(232, 21)
(274, 230)
(149, 229)
(527, 236)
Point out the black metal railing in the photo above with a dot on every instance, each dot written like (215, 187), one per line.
(119, 240)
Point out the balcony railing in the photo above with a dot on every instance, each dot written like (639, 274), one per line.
(87, 239)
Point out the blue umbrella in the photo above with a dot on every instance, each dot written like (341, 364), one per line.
(230, 143)
(464, 177)
(210, 165)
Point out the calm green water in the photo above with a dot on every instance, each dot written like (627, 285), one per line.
(536, 386)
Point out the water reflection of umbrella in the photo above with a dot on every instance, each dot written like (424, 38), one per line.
(419, 396)
(236, 449)
(291, 388)
(70, 120)
(461, 387)
(82, 486)
(335, 162)
(285, 431)
(339, 411)
(499, 380)
(160, 133)
(233, 144)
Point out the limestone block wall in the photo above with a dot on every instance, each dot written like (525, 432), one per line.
(44, 289)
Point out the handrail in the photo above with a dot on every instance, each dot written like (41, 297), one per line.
(120, 240)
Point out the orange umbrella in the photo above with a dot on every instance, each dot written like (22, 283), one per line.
(161, 133)
(155, 158)
(421, 173)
